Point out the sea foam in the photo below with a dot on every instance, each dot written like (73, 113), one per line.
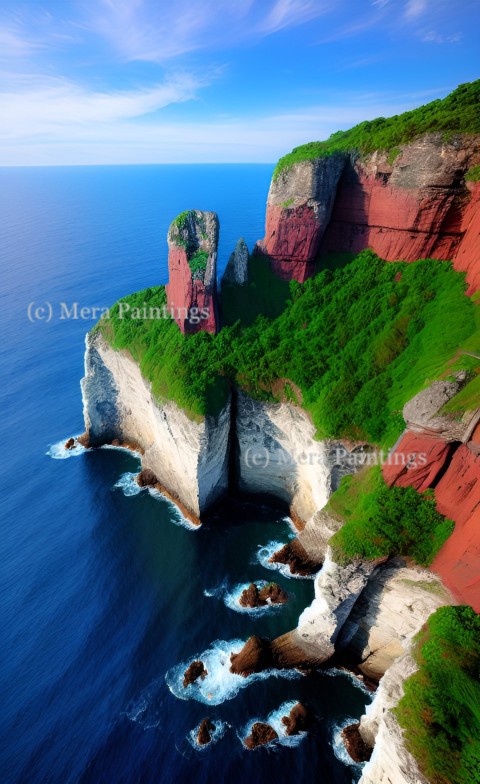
(129, 486)
(220, 684)
(266, 551)
(58, 451)
(275, 720)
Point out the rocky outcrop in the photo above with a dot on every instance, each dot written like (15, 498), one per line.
(278, 455)
(236, 270)
(300, 719)
(390, 763)
(255, 656)
(192, 271)
(423, 413)
(358, 750)
(189, 459)
(430, 455)
(394, 605)
(204, 734)
(299, 206)
(411, 207)
(194, 671)
(336, 590)
(294, 555)
(260, 734)
(268, 594)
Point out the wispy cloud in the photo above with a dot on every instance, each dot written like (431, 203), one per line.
(433, 37)
(415, 8)
(291, 13)
(54, 105)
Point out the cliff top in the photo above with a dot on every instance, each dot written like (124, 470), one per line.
(458, 113)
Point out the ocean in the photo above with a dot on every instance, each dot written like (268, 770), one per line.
(106, 594)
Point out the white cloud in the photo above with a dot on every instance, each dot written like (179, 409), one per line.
(290, 13)
(122, 135)
(415, 8)
(53, 106)
(437, 38)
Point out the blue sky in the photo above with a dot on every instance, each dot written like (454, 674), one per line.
(157, 81)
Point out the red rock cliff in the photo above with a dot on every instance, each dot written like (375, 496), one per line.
(192, 268)
(415, 206)
(299, 207)
(448, 460)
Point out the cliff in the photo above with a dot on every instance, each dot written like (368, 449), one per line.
(440, 451)
(417, 205)
(390, 763)
(189, 459)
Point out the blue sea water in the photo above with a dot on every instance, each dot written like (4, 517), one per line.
(104, 594)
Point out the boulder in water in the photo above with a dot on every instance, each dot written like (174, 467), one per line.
(260, 735)
(193, 672)
(205, 730)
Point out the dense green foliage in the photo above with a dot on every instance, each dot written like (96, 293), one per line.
(440, 710)
(457, 113)
(198, 262)
(358, 342)
(473, 174)
(382, 521)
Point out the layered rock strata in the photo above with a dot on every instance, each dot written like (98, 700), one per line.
(410, 205)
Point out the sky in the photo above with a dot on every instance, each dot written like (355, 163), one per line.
(206, 81)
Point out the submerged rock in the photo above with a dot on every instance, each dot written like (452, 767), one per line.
(193, 672)
(300, 719)
(355, 744)
(294, 555)
(205, 729)
(269, 594)
(255, 656)
(261, 734)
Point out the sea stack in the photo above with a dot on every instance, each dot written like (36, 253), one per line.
(192, 271)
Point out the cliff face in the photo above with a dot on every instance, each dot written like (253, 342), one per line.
(442, 453)
(272, 445)
(277, 455)
(299, 207)
(415, 206)
(189, 459)
(395, 604)
(390, 763)
(192, 271)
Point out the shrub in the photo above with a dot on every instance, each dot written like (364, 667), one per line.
(382, 521)
(440, 710)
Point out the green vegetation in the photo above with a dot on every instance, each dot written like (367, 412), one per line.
(357, 341)
(198, 262)
(466, 400)
(440, 710)
(393, 155)
(473, 174)
(382, 521)
(457, 113)
(286, 204)
(265, 293)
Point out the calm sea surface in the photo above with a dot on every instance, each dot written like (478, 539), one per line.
(105, 594)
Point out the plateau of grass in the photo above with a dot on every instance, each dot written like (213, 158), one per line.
(457, 113)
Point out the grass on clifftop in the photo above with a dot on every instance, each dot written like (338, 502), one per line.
(382, 521)
(357, 341)
(457, 113)
(440, 710)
